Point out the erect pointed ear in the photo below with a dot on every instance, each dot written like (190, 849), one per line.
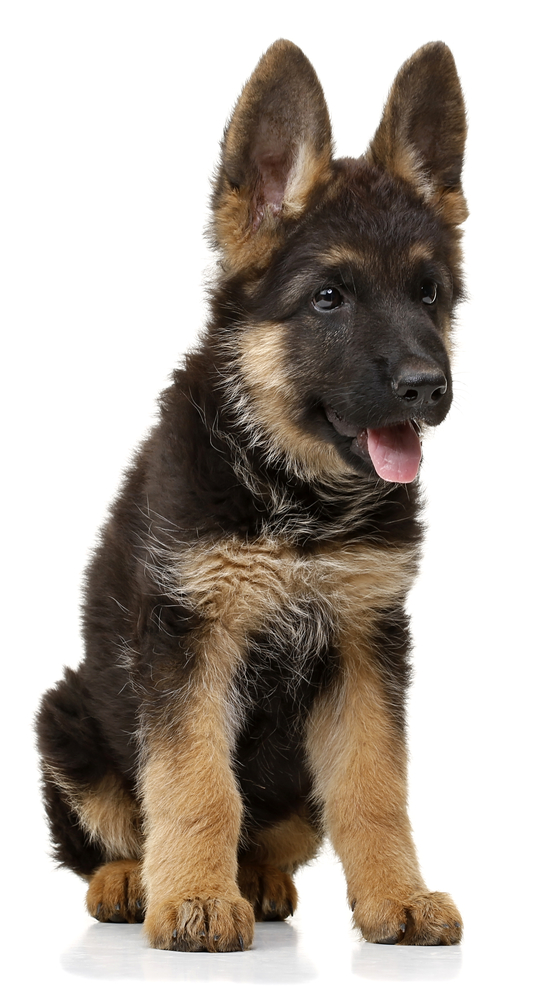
(276, 149)
(422, 133)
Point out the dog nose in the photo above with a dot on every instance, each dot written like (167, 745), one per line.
(420, 383)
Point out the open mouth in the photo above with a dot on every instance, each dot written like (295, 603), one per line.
(394, 450)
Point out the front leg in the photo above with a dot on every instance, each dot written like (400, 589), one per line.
(358, 755)
(193, 815)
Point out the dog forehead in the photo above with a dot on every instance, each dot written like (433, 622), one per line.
(368, 219)
(365, 229)
(375, 206)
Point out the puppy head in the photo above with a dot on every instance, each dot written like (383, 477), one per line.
(345, 272)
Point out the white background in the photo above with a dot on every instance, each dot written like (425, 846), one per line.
(110, 122)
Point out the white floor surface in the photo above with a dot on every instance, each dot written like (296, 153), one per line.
(62, 950)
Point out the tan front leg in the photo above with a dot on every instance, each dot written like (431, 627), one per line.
(193, 816)
(358, 756)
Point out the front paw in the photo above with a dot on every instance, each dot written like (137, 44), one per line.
(201, 924)
(424, 918)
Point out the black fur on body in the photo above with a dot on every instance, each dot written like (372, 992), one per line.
(332, 299)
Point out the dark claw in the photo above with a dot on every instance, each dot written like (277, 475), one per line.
(456, 924)
(175, 933)
(353, 904)
(217, 937)
(98, 909)
(272, 905)
(291, 907)
(241, 942)
(403, 928)
(117, 907)
(138, 904)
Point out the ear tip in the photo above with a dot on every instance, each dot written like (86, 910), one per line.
(436, 46)
(283, 44)
(437, 53)
(284, 53)
(286, 67)
(282, 48)
(433, 64)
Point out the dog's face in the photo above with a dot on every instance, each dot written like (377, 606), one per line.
(347, 272)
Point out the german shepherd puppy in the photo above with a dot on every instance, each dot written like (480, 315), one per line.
(242, 692)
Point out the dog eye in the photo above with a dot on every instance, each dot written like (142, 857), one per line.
(327, 298)
(428, 291)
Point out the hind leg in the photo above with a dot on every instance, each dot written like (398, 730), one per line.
(270, 891)
(72, 847)
(91, 826)
(93, 814)
(115, 893)
(266, 866)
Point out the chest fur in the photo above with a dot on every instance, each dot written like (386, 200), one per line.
(240, 585)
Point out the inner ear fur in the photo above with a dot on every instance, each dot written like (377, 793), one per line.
(276, 149)
(422, 133)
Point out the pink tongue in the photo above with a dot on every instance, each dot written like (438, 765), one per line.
(394, 451)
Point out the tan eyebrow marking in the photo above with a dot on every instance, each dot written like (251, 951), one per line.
(419, 252)
(343, 257)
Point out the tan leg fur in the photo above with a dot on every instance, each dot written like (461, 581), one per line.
(270, 890)
(265, 868)
(192, 804)
(193, 818)
(115, 893)
(359, 761)
(106, 811)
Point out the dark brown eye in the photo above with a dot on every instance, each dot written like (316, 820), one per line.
(327, 298)
(428, 291)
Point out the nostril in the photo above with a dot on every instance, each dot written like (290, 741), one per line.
(410, 395)
(438, 392)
